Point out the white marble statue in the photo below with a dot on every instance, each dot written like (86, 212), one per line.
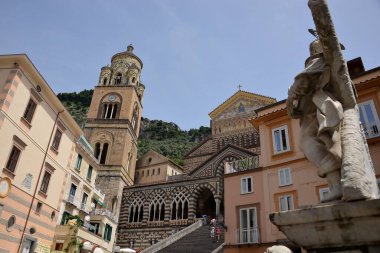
(323, 97)
(311, 98)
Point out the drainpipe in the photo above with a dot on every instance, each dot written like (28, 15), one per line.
(38, 180)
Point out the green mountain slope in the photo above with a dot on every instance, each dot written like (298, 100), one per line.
(164, 137)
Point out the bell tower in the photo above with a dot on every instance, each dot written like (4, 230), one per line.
(113, 124)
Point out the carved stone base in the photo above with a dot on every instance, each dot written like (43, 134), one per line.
(350, 227)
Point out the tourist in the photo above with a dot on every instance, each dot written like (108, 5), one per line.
(218, 233)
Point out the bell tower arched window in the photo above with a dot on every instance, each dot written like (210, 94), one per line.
(118, 79)
(103, 155)
(110, 110)
(105, 81)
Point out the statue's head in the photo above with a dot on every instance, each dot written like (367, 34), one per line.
(315, 47)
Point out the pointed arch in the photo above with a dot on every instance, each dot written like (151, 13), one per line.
(179, 205)
(156, 202)
(136, 208)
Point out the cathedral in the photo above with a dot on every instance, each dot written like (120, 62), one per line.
(154, 197)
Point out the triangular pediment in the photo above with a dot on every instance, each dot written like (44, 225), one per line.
(215, 165)
(239, 104)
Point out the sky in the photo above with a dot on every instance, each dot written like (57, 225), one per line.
(195, 52)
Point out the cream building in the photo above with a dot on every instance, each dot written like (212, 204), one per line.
(153, 167)
(43, 153)
(37, 138)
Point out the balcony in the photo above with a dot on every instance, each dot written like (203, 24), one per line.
(85, 208)
(371, 130)
(99, 194)
(72, 200)
(247, 235)
(107, 213)
(65, 232)
(241, 165)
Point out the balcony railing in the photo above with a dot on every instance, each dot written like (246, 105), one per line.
(247, 235)
(85, 208)
(107, 213)
(372, 130)
(71, 199)
(99, 193)
(241, 165)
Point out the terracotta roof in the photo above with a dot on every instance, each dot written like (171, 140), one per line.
(269, 106)
(239, 91)
(197, 146)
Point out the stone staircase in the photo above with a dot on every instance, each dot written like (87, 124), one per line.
(198, 241)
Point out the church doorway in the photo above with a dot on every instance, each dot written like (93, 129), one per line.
(205, 204)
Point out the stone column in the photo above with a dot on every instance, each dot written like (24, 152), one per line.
(218, 201)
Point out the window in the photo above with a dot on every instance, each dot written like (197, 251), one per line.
(142, 173)
(94, 227)
(118, 79)
(280, 139)
(369, 118)
(107, 233)
(136, 213)
(134, 117)
(11, 222)
(45, 182)
(284, 177)
(73, 190)
(13, 159)
(147, 172)
(97, 150)
(100, 152)
(59, 246)
(246, 185)
(129, 161)
(78, 162)
(153, 172)
(158, 171)
(57, 139)
(38, 207)
(89, 172)
(323, 193)
(286, 203)
(157, 208)
(84, 201)
(179, 207)
(64, 220)
(378, 184)
(29, 111)
(109, 110)
(248, 226)
(103, 155)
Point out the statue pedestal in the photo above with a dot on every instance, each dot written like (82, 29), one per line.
(350, 227)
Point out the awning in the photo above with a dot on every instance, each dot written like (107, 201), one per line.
(127, 250)
(98, 250)
(100, 202)
(87, 245)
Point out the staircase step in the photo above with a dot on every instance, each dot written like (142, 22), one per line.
(198, 241)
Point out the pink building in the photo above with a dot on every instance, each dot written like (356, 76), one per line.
(284, 179)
